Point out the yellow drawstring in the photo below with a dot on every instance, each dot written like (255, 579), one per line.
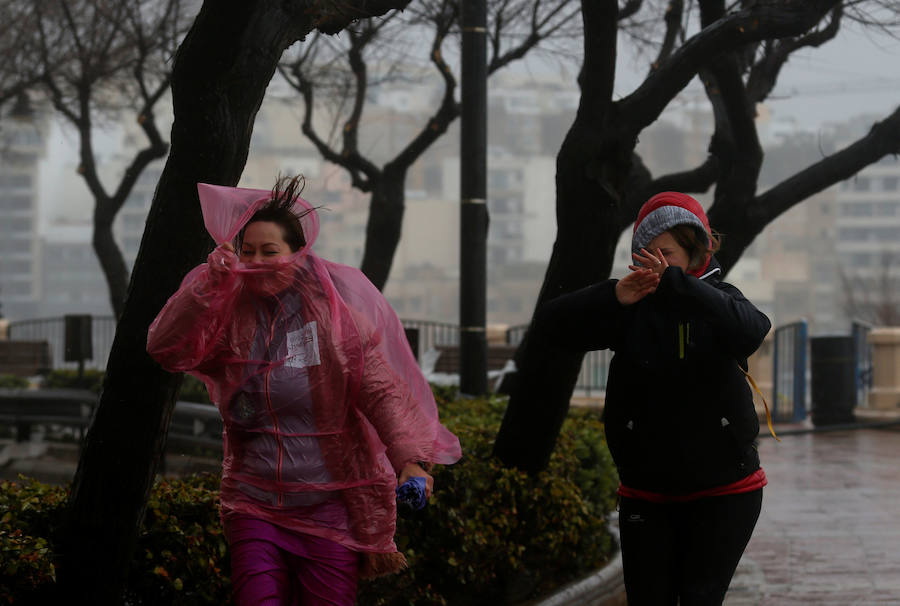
(768, 415)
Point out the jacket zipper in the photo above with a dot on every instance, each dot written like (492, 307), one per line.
(279, 445)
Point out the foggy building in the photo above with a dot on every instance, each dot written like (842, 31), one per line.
(72, 281)
(868, 242)
(22, 145)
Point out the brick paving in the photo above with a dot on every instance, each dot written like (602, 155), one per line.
(829, 532)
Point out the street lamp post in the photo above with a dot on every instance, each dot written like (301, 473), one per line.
(473, 193)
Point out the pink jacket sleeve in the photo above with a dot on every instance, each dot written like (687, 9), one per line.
(188, 329)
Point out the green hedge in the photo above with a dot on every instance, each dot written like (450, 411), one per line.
(489, 535)
(12, 382)
(192, 389)
(63, 378)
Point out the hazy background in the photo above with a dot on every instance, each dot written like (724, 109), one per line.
(824, 96)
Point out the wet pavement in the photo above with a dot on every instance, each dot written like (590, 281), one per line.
(829, 532)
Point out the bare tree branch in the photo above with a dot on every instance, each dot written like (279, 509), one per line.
(765, 19)
(630, 9)
(673, 18)
(764, 73)
(882, 139)
(99, 60)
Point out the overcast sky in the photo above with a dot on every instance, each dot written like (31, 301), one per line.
(853, 74)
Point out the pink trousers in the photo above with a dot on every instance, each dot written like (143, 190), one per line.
(274, 567)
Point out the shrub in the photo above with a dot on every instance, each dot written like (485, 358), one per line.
(65, 378)
(193, 390)
(496, 535)
(181, 557)
(489, 535)
(30, 515)
(12, 382)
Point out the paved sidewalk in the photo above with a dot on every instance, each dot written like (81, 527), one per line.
(829, 532)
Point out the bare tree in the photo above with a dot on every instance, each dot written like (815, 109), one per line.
(738, 52)
(219, 78)
(873, 296)
(516, 27)
(20, 66)
(97, 61)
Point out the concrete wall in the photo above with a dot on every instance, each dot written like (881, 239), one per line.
(885, 392)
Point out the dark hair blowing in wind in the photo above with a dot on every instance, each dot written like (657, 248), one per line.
(280, 210)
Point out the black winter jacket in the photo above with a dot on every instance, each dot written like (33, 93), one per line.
(679, 413)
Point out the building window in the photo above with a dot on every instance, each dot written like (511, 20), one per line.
(862, 184)
(434, 179)
(15, 203)
(887, 209)
(15, 180)
(16, 225)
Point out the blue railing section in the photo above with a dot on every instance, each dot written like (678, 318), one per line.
(862, 360)
(789, 366)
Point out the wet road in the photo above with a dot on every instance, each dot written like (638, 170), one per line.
(829, 532)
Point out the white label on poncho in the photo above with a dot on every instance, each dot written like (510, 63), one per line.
(303, 347)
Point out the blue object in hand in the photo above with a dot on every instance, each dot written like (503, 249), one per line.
(411, 496)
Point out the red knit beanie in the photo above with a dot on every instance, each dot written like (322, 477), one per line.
(664, 211)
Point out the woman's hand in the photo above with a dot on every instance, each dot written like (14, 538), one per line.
(636, 285)
(656, 263)
(414, 470)
(221, 262)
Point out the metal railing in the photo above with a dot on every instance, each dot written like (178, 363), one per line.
(790, 357)
(862, 360)
(515, 334)
(594, 367)
(432, 334)
(52, 330)
(789, 372)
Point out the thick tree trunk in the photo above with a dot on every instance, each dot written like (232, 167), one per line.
(596, 150)
(384, 225)
(541, 388)
(220, 77)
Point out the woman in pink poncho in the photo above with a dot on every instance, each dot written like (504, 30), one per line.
(324, 406)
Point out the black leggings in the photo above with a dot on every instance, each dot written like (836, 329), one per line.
(684, 551)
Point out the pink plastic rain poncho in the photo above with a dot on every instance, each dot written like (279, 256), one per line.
(322, 400)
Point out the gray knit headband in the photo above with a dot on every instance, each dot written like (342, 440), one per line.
(662, 219)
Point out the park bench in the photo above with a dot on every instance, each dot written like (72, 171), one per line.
(24, 358)
(191, 424)
(448, 360)
(195, 424)
(24, 408)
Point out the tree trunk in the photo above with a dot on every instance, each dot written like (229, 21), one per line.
(220, 76)
(385, 224)
(596, 150)
(111, 262)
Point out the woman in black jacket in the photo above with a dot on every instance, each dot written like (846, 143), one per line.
(679, 415)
